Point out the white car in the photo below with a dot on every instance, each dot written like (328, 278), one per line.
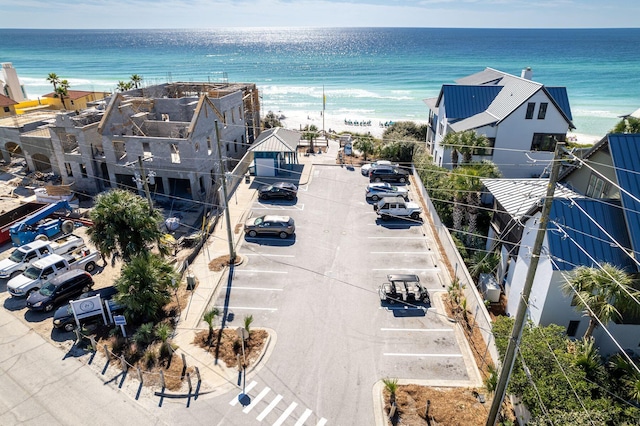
(377, 190)
(366, 168)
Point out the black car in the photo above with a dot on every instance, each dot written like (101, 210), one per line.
(63, 317)
(59, 290)
(384, 174)
(284, 190)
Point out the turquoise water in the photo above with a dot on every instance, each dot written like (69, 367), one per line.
(378, 73)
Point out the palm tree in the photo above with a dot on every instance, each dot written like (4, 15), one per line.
(627, 125)
(209, 317)
(123, 86)
(463, 143)
(365, 145)
(602, 293)
(54, 79)
(136, 80)
(310, 132)
(248, 320)
(62, 91)
(123, 225)
(391, 385)
(143, 287)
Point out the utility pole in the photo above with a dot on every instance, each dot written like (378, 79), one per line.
(521, 314)
(232, 253)
(145, 183)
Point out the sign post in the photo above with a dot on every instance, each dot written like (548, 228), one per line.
(121, 321)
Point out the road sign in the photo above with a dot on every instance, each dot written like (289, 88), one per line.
(119, 320)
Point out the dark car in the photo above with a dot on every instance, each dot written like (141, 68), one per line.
(63, 317)
(59, 290)
(285, 190)
(282, 226)
(384, 174)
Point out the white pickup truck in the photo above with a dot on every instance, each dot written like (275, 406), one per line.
(48, 267)
(25, 255)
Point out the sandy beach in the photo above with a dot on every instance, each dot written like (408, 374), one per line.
(297, 120)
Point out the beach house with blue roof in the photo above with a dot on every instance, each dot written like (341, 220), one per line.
(594, 218)
(521, 118)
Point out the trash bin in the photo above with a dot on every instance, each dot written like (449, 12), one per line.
(247, 178)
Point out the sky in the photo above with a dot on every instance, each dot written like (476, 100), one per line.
(120, 14)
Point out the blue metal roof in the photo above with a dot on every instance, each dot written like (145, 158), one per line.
(574, 220)
(625, 154)
(466, 101)
(559, 95)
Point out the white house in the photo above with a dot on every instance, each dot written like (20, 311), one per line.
(520, 117)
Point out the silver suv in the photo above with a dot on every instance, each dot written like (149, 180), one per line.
(397, 207)
(282, 226)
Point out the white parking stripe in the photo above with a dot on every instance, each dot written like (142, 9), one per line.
(399, 236)
(286, 414)
(248, 308)
(424, 355)
(398, 252)
(322, 422)
(407, 269)
(268, 255)
(416, 329)
(235, 271)
(256, 400)
(270, 407)
(303, 417)
(256, 288)
(250, 386)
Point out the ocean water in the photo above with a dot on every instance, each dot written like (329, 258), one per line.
(376, 73)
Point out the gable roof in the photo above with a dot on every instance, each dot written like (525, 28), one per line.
(625, 152)
(573, 229)
(500, 93)
(276, 139)
(6, 101)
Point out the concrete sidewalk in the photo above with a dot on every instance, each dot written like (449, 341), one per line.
(217, 379)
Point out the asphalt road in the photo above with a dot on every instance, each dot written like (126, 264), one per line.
(318, 291)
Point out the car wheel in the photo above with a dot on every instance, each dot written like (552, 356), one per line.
(375, 198)
(290, 197)
(391, 300)
(90, 267)
(377, 179)
(415, 215)
(48, 307)
(69, 327)
(86, 288)
(33, 290)
(253, 234)
(264, 197)
(385, 217)
(402, 180)
(15, 274)
(283, 235)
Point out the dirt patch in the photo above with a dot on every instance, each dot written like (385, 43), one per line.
(227, 346)
(219, 263)
(447, 406)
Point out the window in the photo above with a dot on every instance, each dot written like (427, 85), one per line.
(546, 142)
(440, 128)
(542, 112)
(67, 167)
(120, 150)
(573, 328)
(175, 153)
(146, 150)
(530, 107)
(597, 187)
(83, 170)
(7, 109)
(209, 144)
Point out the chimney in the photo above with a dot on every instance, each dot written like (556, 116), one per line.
(527, 73)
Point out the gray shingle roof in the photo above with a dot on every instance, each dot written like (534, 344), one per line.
(276, 139)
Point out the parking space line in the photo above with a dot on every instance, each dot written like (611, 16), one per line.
(398, 252)
(270, 407)
(416, 329)
(424, 355)
(303, 417)
(322, 422)
(398, 237)
(286, 413)
(261, 206)
(268, 255)
(247, 308)
(250, 386)
(256, 400)
(406, 269)
(256, 288)
(235, 271)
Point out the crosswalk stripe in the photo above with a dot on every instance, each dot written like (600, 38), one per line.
(286, 413)
(250, 386)
(270, 407)
(322, 422)
(255, 401)
(303, 417)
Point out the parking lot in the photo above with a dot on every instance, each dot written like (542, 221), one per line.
(318, 291)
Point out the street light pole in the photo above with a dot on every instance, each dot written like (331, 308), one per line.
(232, 253)
(145, 183)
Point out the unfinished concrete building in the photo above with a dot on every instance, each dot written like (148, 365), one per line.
(171, 128)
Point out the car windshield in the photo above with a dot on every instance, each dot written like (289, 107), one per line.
(17, 256)
(32, 272)
(268, 188)
(258, 220)
(47, 289)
